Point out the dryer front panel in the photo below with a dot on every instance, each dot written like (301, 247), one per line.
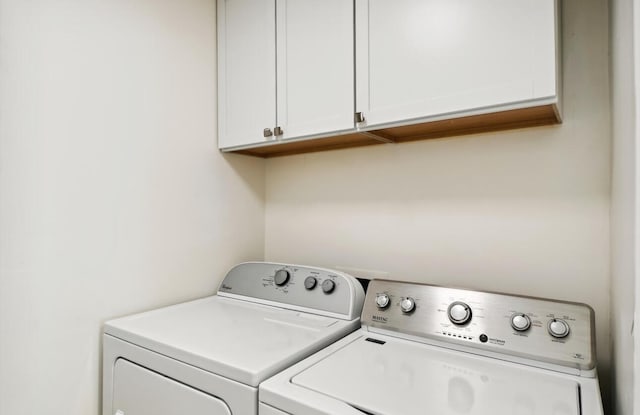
(139, 391)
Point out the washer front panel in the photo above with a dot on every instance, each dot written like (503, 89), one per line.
(492, 324)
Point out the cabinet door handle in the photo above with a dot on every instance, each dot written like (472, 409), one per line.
(278, 131)
(359, 117)
(267, 132)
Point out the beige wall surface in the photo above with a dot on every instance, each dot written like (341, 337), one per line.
(623, 204)
(113, 195)
(114, 198)
(522, 212)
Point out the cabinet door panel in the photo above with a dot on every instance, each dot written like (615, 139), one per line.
(315, 66)
(246, 71)
(420, 58)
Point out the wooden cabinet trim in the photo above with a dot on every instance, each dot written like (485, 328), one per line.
(474, 124)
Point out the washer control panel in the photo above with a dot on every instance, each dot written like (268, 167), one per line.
(295, 286)
(549, 331)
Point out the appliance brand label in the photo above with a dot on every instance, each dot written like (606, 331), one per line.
(379, 319)
(226, 287)
(499, 342)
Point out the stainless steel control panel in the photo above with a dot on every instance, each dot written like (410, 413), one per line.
(553, 332)
(309, 289)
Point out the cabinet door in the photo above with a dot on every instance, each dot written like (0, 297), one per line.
(315, 67)
(423, 58)
(246, 71)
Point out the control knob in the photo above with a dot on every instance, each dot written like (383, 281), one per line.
(328, 286)
(281, 277)
(459, 313)
(382, 300)
(407, 305)
(310, 283)
(558, 328)
(520, 322)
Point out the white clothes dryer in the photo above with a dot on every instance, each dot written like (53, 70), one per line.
(208, 356)
(427, 350)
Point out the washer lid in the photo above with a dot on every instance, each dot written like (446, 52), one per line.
(239, 340)
(397, 377)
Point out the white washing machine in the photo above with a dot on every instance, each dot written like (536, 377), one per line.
(439, 351)
(208, 356)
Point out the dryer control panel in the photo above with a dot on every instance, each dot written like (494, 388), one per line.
(310, 289)
(541, 330)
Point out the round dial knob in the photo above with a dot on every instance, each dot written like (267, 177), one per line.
(459, 313)
(407, 305)
(281, 277)
(310, 283)
(558, 328)
(520, 322)
(328, 286)
(382, 300)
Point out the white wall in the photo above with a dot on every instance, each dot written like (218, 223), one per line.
(524, 211)
(636, 87)
(113, 196)
(623, 203)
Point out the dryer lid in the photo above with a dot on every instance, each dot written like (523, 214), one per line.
(236, 339)
(397, 377)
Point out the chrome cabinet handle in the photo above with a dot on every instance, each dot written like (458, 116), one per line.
(278, 131)
(359, 117)
(267, 132)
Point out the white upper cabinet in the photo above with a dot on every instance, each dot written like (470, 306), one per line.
(246, 71)
(285, 66)
(294, 75)
(417, 59)
(315, 67)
